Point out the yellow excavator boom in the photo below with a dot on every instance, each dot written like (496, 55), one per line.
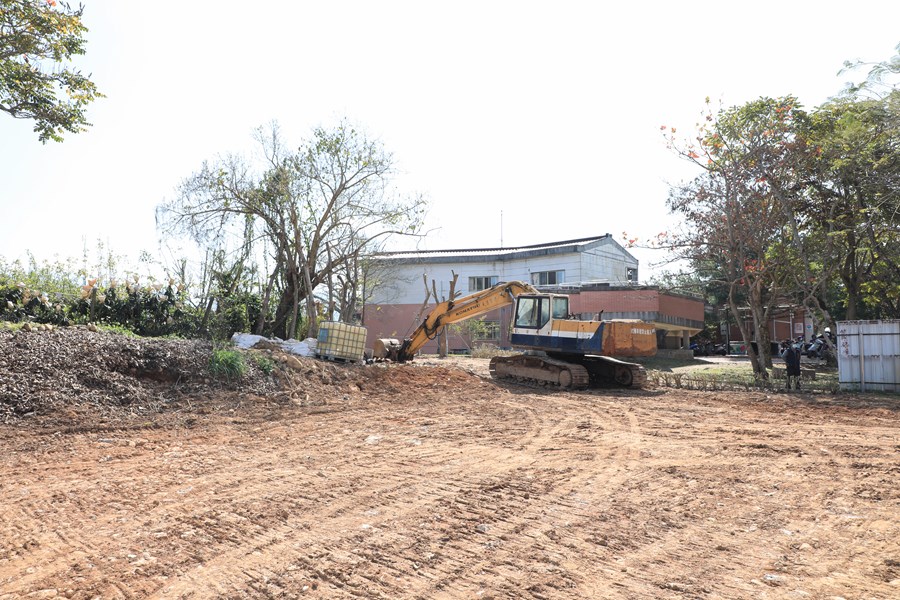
(452, 311)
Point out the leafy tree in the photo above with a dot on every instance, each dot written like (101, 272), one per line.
(855, 192)
(735, 211)
(37, 37)
(878, 79)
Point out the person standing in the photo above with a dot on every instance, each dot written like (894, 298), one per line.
(792, 366)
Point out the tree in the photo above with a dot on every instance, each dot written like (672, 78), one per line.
(736, 212)
(309, 217)
(36, 38)
(855, 191)
(878, 79)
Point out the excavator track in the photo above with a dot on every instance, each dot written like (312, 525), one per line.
(606, 370)
(575, 373)
(540, 369)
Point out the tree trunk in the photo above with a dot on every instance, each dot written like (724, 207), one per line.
(312, 329)
(267, 295)
(758, 371)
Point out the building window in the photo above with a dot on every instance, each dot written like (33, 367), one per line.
(548, 277)
(631, 275)
(488, 331)
(477, 284)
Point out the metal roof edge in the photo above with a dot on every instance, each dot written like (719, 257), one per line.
(511, 252)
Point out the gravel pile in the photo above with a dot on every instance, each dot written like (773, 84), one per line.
(75, 369)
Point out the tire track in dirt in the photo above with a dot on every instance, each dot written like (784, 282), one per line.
(685, 531)
(392, 507)
(46, 552)
(523, 531)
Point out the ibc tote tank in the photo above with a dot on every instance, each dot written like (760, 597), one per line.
(340, 341)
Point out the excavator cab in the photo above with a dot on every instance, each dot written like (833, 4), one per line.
(534, 312)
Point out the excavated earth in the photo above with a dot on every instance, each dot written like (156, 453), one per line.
(127, 471)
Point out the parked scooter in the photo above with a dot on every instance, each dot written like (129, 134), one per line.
(708, 349)
(819, 348)
(700, 348)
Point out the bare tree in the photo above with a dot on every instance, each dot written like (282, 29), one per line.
(313, 213)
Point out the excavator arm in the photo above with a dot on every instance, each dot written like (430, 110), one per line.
(452, 311)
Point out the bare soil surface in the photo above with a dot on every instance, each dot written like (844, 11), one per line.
(426, 480)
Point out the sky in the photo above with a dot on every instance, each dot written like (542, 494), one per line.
(520, 122)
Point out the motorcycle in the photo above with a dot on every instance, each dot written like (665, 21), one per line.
(818, 348)
(709, 349)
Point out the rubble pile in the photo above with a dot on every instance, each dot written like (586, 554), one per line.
(75, 368)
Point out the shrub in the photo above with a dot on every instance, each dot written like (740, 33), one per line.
(228, 363)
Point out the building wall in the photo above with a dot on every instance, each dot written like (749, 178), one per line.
(404, 284)
(607, 262)
(403, 281)
(688, 308)
(614, 301)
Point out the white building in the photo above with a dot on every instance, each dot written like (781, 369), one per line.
(588, 260)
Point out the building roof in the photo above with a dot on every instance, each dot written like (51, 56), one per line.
(501, 254)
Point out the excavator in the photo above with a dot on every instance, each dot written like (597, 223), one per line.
(559, 350)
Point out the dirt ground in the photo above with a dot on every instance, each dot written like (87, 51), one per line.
(431, 481)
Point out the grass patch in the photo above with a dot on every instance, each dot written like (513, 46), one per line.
(121, 330)
(264, 363)
(228, 363)
(658, 363)
(734, 376)
(488, 351)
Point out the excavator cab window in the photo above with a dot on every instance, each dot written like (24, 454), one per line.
(532, 312)
(560, 307)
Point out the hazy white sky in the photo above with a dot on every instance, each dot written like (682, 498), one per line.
(548, 113)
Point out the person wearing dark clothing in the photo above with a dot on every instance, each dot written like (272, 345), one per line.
(792, 364)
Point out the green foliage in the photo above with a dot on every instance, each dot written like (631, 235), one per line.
(50, 293)
(228, 321)
(37, 39)
(476, 330)
(264, 363)
(58, 277)
(227, 363)
(795, 207)
(121, 330)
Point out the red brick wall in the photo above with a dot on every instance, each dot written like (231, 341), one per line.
(615, 301)
(682, 307)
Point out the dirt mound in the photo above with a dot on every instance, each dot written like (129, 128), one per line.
(75, 369)
(80, 378)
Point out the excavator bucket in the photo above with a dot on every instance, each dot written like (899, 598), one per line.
(386, 348)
